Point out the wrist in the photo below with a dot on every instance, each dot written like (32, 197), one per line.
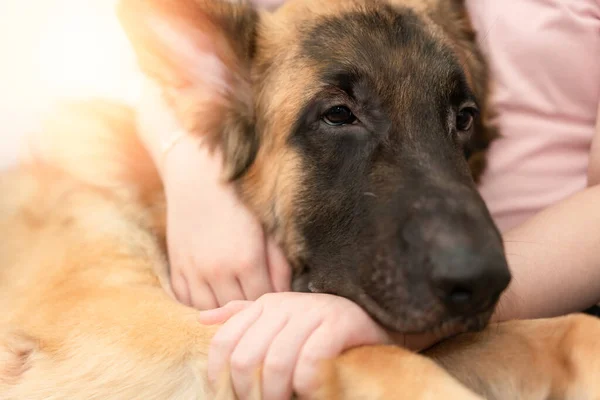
(188, 161)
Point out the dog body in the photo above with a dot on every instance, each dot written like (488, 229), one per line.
(83, 274)
(85, 314)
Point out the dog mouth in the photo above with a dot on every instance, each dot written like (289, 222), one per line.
(440, 326)
(416, 322)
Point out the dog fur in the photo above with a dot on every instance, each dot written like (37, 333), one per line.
(84, 292)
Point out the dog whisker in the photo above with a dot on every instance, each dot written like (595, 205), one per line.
(370, 194)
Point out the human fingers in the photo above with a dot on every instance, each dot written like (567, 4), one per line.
(222, 314)
(254, 276)
(226, 289)
(279, 268)
(227, 338)
(201, 295)
(328, 341)
(180, 288)
(251, 350)
(281, 358)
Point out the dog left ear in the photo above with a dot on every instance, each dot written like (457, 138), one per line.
(200, 53)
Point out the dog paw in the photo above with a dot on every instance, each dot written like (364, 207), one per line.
(387, 372)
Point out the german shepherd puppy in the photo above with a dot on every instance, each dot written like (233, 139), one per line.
(356, 131)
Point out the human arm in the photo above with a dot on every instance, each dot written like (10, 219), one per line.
(218, 251)
(554, 256)
(285, 336)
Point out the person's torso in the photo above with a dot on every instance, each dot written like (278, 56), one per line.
(545, 64)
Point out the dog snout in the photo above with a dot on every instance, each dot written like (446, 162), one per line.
(469, 285)
(466, 263)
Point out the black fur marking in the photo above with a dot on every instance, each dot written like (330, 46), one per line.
(369, 187)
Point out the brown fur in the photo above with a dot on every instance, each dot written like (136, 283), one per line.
(84, 279)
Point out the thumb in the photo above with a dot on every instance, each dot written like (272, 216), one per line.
(222, 314)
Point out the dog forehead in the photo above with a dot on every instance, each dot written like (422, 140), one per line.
(298, 10)
(352, 31)
(362, 36)
(388, 43)
(293, 15)
(378, 40)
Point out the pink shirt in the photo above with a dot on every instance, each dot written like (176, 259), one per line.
(545, 60)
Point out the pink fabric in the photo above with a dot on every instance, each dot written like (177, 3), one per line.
(545, 60)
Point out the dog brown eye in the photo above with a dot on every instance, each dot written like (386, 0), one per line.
(339, 115)
(465, 119)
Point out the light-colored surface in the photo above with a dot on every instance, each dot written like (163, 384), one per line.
(55, 49)
(545, 57)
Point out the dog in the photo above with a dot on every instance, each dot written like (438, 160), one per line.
(341, 122)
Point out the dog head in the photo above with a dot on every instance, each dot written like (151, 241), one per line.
(349, 127)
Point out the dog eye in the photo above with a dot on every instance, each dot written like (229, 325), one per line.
(339, 115)
(466, 118)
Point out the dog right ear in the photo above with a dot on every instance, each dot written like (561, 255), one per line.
(200, 54)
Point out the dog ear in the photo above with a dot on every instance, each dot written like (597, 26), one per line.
(200, 53)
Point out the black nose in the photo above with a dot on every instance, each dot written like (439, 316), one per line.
(470, 289)
(453, 232)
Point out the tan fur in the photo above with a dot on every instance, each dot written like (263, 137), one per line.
(540, 359)
(80, 292)
(84, 294)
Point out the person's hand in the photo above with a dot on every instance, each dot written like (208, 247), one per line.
(288, 335)
(218, 251)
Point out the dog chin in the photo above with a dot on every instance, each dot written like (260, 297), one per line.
(419, 322)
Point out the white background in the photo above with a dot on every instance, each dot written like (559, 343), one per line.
(53, 49)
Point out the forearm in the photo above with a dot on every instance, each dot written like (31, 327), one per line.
(179, 156)
(555, 260)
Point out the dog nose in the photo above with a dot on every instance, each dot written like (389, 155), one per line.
(469, 289)
(462, 250)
